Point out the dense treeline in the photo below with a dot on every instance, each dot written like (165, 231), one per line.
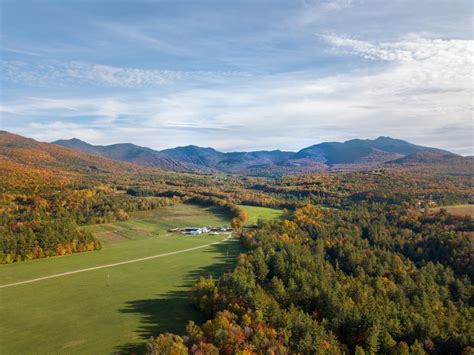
(391, 185)
(232, 190)
(420, 236)
(27, 241)
(85, 206)
(41, 225)
(64, 206)
(66, 202)
(373, 278)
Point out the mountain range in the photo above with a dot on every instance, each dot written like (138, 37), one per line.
(21, 157)
(26, 154)
(352, 154)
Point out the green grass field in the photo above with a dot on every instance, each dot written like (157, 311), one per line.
(256, 213)
(113, 309)
(459, 210)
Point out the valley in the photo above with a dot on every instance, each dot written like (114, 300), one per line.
(236, 177)
(110, 309)
(348, 261)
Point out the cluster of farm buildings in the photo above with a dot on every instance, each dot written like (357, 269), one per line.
(201, 230)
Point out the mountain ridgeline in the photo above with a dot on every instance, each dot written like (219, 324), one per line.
(352, 154)
(125, 152)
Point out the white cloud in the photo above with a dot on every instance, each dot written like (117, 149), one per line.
(137, 35)
(119, 77)
(19, 51)
(103, 110)
(314, 11)
(336, 5)
(411, 48)
(420, 90)
(63, 74)
(417, 68)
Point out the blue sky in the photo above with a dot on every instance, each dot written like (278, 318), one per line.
(238, 75)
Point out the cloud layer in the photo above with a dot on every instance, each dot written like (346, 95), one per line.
(242, 83)
(64, 74)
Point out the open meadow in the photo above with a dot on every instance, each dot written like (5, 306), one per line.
(119, 307)
(458, 210)
(255, 213)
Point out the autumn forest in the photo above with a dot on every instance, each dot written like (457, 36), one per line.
(361, 262)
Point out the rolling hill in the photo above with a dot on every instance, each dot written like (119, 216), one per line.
(428, 158)
(449, 163)
(22, 150)
(125, 152)
(24, 161)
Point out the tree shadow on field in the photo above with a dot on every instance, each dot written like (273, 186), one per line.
(219, 212)
(171, 311)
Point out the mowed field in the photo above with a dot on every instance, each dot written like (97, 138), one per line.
(458, 210)
(255, 213)
(113, 309)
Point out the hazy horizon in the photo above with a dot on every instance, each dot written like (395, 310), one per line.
(234, 151)
(238, 76)
(205, 146)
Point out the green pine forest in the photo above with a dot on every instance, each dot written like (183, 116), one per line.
(361, 262)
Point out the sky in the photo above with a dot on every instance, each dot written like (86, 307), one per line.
(238, 75)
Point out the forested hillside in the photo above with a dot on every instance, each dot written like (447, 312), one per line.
(363, 262)
(371, 272)
(47, 191)
(375, 278)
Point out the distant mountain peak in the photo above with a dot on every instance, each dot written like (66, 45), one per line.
(72, 141)
(76, 140)
(125, 152)
(323, 156)
(193, 147)
(385, 138)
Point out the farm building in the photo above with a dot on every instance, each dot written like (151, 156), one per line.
(196, 230)
(192, 230)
